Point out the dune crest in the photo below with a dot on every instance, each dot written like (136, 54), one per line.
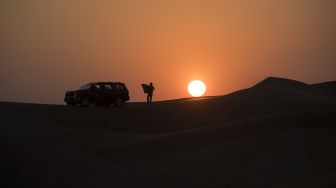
(288, 84)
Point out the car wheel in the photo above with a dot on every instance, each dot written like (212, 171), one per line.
(85, 102)
(118, 102)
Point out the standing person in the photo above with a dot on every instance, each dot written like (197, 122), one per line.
(151, 89)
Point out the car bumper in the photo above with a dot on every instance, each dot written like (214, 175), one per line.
(71, 99)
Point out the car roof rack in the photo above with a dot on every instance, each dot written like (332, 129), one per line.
(106, 83)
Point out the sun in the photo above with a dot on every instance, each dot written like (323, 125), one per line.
(196, 88)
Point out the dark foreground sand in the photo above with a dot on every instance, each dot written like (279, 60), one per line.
(280, 133)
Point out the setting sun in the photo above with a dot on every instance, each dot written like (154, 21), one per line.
(196, 88)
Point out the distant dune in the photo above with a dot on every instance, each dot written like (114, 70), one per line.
(278, 133)
(290, 85)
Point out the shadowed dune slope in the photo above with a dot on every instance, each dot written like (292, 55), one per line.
(280, 133)
(329, 87)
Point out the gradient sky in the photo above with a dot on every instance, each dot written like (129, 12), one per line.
(50, 46)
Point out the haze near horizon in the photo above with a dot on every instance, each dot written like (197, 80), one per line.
(48, 47)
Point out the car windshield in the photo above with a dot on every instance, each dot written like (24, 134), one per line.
(86, 86)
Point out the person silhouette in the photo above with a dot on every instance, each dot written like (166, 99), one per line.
(151, 89)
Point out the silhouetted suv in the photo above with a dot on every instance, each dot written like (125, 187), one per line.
(98, 93)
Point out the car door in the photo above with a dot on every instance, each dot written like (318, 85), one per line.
(121, 91)
(114, 91)
(108, 94)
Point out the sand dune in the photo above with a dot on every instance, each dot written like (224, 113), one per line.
(279, 133)
(290, 85)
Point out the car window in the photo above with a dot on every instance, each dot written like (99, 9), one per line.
(97, 86)
(108, 87)
(86, 86)
(119, 87)
(102, 86)
(93, 87)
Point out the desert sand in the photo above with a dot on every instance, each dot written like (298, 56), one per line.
(278, 133)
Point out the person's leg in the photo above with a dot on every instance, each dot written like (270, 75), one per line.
(150, 98)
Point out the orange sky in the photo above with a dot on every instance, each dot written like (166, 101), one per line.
(48, 46)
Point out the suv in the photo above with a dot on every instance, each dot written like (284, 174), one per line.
(98, 93)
